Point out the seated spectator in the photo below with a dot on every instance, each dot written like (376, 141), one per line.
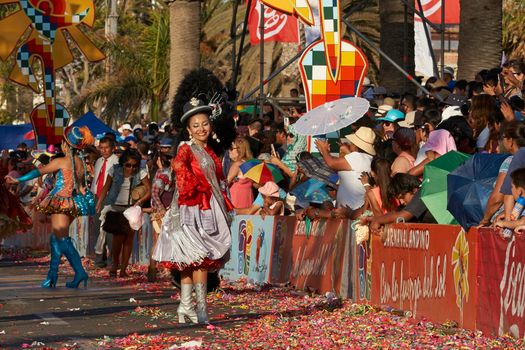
(439, 142)
(404, 188)
(241, 188)
(273, 204)
(404, 145)
(255, 128)
(351, 191)
(389, 123)
(518, 190)
(376, 185)
(458, 127)
(424, 123)
(257, 204)
(478, 118)
(512, 139)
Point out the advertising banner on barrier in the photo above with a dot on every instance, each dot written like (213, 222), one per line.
(252, 238)
(322, 258)
(502, 286)
(429, 270)
(281, 260)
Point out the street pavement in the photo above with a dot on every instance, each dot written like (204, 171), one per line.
(62, 316)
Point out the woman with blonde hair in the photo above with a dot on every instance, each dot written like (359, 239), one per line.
(241, 191)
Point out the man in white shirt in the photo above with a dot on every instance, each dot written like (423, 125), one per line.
(102, 168)
(351, 192)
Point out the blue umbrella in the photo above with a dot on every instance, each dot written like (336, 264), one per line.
(469, 187)
(303, 191)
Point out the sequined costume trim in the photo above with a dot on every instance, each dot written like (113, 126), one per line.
(58, 205)
(60, 199)
(205, 264)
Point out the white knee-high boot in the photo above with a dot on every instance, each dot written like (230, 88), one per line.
(185, 309)
(202, 306)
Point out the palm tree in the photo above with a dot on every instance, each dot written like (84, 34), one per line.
(140, 73)
(479, 36)
(185, 27)
(394, 41)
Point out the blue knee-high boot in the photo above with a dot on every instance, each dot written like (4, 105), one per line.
(56, 254)
(71, 253)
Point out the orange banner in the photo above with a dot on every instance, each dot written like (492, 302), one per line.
(428, 270)
(321, 257)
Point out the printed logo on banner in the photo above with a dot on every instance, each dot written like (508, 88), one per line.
(277, 26)
(364, 275)
(460, 252)
(512, 291)
(251, 248)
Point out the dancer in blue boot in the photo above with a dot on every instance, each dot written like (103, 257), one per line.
(67, 200)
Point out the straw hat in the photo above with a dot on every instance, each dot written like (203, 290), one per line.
(364, 139)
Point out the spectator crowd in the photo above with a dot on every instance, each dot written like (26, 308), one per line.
(372, 173)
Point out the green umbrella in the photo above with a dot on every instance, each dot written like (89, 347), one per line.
(434, 187)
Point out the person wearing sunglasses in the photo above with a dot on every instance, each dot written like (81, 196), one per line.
(389, 123)
(116, 196)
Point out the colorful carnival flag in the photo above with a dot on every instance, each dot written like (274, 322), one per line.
(316, 75)
(36, 32)
(277, 26)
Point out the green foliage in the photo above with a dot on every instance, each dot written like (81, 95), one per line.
(514, 27)
(139, 75)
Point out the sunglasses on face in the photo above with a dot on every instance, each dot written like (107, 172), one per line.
(387, 124)
(129, 166)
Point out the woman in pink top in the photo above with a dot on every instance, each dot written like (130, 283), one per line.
(404, 145)
(241, 190)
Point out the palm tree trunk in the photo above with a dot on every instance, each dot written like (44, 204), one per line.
(185, 39)
(394, 42)
(479, 36)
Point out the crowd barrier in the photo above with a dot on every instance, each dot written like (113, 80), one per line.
(439, 272)
(83, 232)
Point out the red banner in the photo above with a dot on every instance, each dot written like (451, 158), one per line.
(502, 284)
(432, 11)
(277, 25)
(322, 257)
(429, 270)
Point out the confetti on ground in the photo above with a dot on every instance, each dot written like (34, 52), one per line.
(244, 316)
(282, 318)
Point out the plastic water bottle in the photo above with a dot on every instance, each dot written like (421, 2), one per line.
(516, 213)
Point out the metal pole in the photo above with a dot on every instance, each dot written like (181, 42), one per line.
(241, 47)
(261, 62)
(429, 40)
(442, 38)
(384, 55)
(422, 15)
(405, 44)
(233, 38)
(273, 75)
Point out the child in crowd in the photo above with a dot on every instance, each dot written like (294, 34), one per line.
(273, 204)
(404, 188)
(518, 190)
